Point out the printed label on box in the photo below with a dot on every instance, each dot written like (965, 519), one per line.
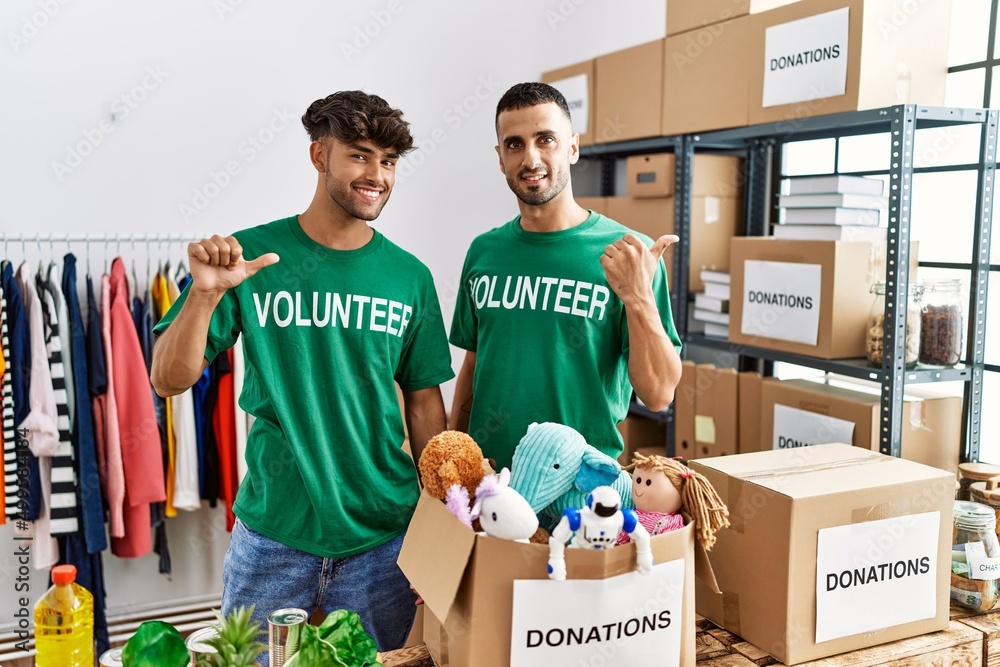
(801, 428)
(575, 90)
(806, 59)
(704, 429)
(622, 621)
(711, 210)
(876, 575)
(781, 300)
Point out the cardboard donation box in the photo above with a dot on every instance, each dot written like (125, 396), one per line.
(817, 57)
(706, 78)
(803, 297)
(576, 83)
(716, 432)
(629, 93)
(489, 602)
(684, 15)
(831, 549)
(799, 413)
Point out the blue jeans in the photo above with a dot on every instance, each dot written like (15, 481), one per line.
(272, 576)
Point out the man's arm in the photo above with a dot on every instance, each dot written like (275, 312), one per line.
(461, 406)
(179, 352)
(654, 367)
(424, 413)
(217, 265)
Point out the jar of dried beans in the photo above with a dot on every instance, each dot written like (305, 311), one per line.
(875, 334)
(941, 323)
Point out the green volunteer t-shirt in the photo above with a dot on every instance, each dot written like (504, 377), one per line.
(325, 333)
(550, 336)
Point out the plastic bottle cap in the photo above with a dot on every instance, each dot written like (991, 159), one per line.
(64, 574)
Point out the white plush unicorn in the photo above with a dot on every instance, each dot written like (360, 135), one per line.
(502, 512)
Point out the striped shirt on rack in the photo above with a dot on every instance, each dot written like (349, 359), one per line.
(63, 508)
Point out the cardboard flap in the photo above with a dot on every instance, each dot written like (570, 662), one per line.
(703, 568)
(435, 553)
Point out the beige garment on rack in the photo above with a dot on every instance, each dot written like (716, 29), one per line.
(187, 494)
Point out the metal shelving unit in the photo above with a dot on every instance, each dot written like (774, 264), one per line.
(762, 146)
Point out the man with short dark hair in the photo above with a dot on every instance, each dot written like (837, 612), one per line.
(329, 492)
(562, 311)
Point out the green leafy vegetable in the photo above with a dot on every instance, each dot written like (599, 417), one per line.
(340, 641)
(155, 644)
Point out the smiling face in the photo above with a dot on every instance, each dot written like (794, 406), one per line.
(653, 491)
(359, 176)
(536, 148)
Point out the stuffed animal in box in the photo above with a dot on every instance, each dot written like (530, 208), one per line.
(555, 469)
(597, 526)
(501, 510)
(451, 458)
(662, 488)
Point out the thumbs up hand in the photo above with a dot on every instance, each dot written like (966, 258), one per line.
(217, 264)
(630, 266)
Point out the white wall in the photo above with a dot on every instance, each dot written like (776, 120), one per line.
(191, 82)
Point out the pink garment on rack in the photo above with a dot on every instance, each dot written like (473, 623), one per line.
(142, 455)
(112, 453)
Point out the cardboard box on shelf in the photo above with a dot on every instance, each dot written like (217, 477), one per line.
(684, 15)
(650, 175)
(803, 297)
(640, 432)
(716, 432)
(830, 549)
(684, 410)
(653, 217)
(749, 411)
(629, 93)
(714, 221)
(706, 78)
(797, 413)
(817, 57)
(576, 83)
(468, 585)
(712, 176)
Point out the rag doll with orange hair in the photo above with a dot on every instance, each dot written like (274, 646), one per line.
(663, 489)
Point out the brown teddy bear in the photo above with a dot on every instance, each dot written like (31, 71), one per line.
(450, 458)
(453, 457)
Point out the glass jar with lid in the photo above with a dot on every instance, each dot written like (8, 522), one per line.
(974, 472)
(941, 323)
(875, 336)
(974, 548)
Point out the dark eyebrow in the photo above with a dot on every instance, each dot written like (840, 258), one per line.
(360, 149)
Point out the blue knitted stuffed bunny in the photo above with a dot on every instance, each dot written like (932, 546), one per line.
(554, 469)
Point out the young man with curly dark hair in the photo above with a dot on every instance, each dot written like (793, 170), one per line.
(331, 313)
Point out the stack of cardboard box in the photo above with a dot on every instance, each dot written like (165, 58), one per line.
(730, 63)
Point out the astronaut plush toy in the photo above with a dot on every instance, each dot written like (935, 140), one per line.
(596, 526)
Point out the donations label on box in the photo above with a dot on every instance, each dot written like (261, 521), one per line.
(781, 300)
(622, 621)
(801, 428)
(876, 575)
(576, 92)
(806, 59)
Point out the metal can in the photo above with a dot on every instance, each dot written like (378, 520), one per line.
(197, 648)
(112, 658)
(283, 630)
